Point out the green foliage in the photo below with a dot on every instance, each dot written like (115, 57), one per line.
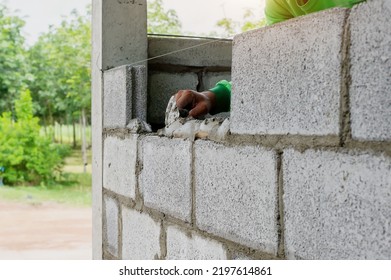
(251, 22)
(57, 68)
(26, 155)
(228, 25)
(231, 27)
(61, 68)
(73, 187)
(161, 21)
(13, 69)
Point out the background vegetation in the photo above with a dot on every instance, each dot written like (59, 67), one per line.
(45, 110)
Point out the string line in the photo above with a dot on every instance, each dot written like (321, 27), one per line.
(180, 50)
(212, 40)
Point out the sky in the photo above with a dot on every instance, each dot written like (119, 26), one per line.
(200, 16)
(40, 14)
(197, 17)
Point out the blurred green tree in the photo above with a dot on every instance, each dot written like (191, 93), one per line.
(229, 27)
(13, 66)
(27, 156)
(61, 68)
(161, 21)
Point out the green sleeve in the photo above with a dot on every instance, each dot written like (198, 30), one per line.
(315, 6)
(222, 92)
(280, 10)
(277, 11)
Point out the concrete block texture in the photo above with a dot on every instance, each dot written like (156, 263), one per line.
(111, 225)
(117, 97)
(124, 36)
(140, 236)
(236, 193)
(125, 95)
(337, 205)
(119, 165)
(287, 77)
(161, 86)
(370, 90)
(139, 82)
(165, 179)
(190, 52)
(191, 246)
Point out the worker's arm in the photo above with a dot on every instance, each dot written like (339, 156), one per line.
(213, 101)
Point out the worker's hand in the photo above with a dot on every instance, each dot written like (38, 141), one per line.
(199, 103)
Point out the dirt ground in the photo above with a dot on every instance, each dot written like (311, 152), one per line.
(47, 231)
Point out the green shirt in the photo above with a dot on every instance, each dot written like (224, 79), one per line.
(277, 11)
(222, 92)
(280, 10)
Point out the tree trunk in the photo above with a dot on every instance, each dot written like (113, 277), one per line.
(74, 133)
(51, 123)
(83, 137)
(61, 131)
(69, 129)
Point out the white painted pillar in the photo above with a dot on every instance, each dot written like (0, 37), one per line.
(119, 37)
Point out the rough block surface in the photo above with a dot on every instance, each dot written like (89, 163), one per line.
(236, 193)
(140, 236)
(370, 91)
(337, 206)
(218, 53)
(119, 165)
(161, 86)
(111, 225)
(139, 92)
(287, 77)
(185, 246)
(117, 97)
(125, 95)
(165, 179)
(124, 35)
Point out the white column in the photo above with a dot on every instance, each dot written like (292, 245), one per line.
(119, 37)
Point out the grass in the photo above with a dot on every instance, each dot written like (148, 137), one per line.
(74, 188)
(74, 163)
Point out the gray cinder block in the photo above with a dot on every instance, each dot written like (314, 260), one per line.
(140, 236)
(287, 77)
(119, 165)
(165, 179)
(139, 92)
(111, 225)
(161, 86)
(182, 246)
(337, 205)
(236, 193)
(370, 91)
(125, 95)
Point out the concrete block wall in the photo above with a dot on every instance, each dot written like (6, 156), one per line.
(303, 173)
